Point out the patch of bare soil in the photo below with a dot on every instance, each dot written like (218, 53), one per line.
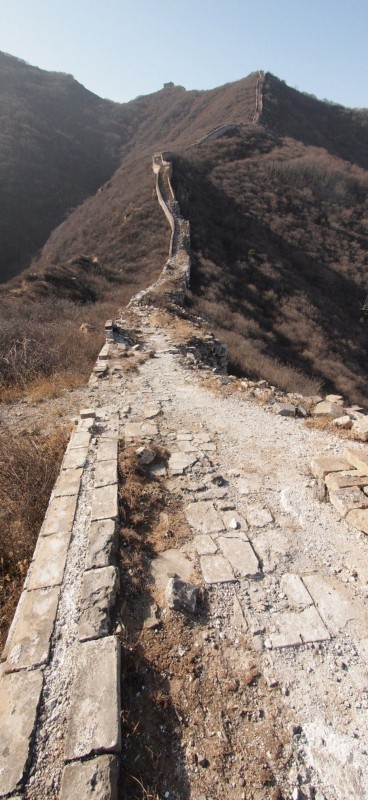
(198, 718)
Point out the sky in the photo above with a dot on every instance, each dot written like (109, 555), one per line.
(120, 49)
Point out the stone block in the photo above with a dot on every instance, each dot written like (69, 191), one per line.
(91, 780)
(327, 409)
(203, 517)
(180, 462)
(133, 430)
(342, 480)
(216, 569)
(322, 466)
(106, 472)
(75, 458)
(79, 439)
(93, 725)
(59, 515)
(296, 593)
(49, 559)
(358, 518)
(336, 605)
(258, 517)
(105, 503)
(345, 500)
(68, 482)
(99, 590)
(357, 459)
(29, 642)
(107, 449)
(151, 411)
(101, 546)
(241, 556)
(20, 694)
(204, 545)
(360, 429)
(335, 398)
(296, 628)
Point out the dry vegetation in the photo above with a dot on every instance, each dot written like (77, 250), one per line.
(24, 495)
(278, 232)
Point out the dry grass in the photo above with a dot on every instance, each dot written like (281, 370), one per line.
(29, 465)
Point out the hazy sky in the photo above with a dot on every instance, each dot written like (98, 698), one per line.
(122, 49)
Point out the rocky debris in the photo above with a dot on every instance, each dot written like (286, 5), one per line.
(344, 422)
(145, 455)
(284, 409)
(181, 596)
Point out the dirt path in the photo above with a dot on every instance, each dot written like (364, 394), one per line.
(276, 704)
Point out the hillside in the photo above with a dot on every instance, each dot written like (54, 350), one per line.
(278, 212)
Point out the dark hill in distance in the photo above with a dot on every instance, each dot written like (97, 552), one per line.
(277, 206)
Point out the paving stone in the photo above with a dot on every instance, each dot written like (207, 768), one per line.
(106, 472)
(105, 503)
(60, 515)
(243, 486)
(345, 500)
(68, 482)
(187, 447)
(358, 518)
(234, 521)
(258, 517)
(133, 430)
(102, 538)
(358, 459)
(184, 437)
(94, 713)
(29, 642)
(20, 694)
(216, 569)
(49, 559)
(207, 448)
(241, 556)
(168, 564)
(91, 780)
(204, 545)
(294, 588)
(203, 517)
(149, 429)
(322, 466)
(107, 450)
(336, 605)
(295, 628)
(327, 409)
(99, 590)
(342, 480)
(180, 462)
(75, 458)
(79, 439)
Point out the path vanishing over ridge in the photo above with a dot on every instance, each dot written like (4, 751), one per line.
(263, 683)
